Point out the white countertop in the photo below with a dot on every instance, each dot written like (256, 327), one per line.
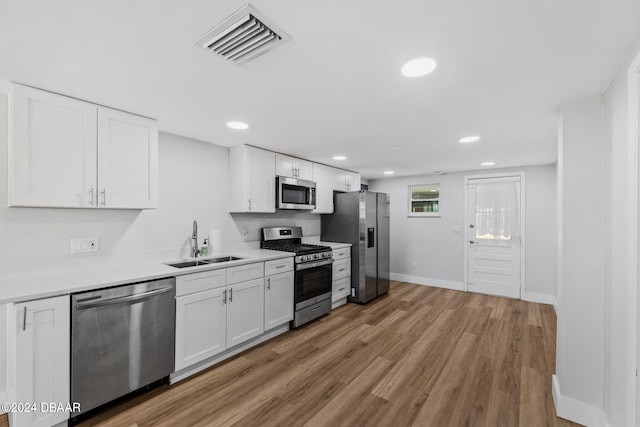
(333, 245)
(75, 276)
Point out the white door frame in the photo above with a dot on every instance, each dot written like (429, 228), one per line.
(633, 319)
(519, 174)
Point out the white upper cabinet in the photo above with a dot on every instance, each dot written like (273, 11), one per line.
(293, 167)
(252, 180)
(352, 181)
(52, 150)
(127, 160)
(346, 181)
(324, 179)
(68, 153)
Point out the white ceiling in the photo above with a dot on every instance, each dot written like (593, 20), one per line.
(504, 69)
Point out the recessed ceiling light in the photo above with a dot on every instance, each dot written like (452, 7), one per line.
(389, 172)
(339, 157)
(468, 139)
(487, 163)
(418, 67)
(395, 147)
(439, 173)
(238, 125)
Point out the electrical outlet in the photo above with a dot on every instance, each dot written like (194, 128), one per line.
(83, 245)
(413, 265)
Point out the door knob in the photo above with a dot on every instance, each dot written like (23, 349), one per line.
(472, 241)
(471, 226)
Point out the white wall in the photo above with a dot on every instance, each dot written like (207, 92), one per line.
(438, 251)
(618, 366)
(578, 384)
(3, 354)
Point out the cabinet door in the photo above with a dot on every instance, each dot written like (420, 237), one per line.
(200, 327)
(285, 165)
(341, 288)
(245, 311)
(339, 180)
(304, 169)
(278, 300)
(42, 359)
(323, 177)
(52, 150)
(127, 160)
(352, 181)
(262, 180)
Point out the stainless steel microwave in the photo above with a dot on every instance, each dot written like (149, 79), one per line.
(293, 193)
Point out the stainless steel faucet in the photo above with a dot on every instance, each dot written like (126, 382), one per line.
(194, 240)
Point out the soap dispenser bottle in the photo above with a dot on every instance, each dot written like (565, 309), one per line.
(204, 251)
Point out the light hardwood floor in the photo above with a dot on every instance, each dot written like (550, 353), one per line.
(419, 356)
(4, 420)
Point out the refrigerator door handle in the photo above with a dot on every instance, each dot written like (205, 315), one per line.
(371, 237)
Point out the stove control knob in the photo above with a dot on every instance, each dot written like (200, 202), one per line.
(316, 256)
(328, 254)
(304, 258)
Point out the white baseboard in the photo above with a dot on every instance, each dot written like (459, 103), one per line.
(574, 410)
(419, 280)
(539, 298)
(187, 372)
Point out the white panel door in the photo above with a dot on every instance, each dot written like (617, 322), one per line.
(245, 311)
(304, 169)
(493, 236)
(261, 180)
(201, 324)
(52, 150)
(284, 165)
(323, 177)
(42, 359)
(278, 300)
(127, 160)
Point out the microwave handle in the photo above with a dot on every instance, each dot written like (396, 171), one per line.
(313, 197)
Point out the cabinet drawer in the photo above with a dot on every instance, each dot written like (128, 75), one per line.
(342, 268)
(278, 266)
(341, 253)
(242, 273)
(341, 288)
(197, 282)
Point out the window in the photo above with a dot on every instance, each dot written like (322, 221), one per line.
(424, 200)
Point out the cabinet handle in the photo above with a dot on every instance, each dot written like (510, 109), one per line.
(230, 294)
(268, 283)
(224, 296)
(341, 289)
(91, 192)
(104, 196)
(24, 319)
(280, 266)
(342, 269)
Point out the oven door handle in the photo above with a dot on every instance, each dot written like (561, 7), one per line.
(308, 265)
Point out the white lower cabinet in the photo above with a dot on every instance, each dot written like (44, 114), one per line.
(245, 311)
(201, 327)
(42, 360)
(212, 316)
(278, 300)
(341, 276)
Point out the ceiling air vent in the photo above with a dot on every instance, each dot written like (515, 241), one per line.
(243, 36)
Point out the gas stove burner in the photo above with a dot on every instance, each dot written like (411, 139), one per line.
(299, 249)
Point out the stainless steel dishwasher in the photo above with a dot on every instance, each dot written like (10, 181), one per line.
(122, 339)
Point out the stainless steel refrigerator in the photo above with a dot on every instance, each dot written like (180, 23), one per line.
(362, 219)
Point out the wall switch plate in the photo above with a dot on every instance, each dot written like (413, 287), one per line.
(83, 245)
(413, 265)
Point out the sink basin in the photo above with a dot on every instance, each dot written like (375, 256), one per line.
(220, 259)
(186, 264)
(205, 261)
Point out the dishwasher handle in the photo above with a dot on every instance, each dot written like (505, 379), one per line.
(119, 300)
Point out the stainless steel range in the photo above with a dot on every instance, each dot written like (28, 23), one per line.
(313, 271)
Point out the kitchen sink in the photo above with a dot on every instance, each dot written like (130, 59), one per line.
(201, 262)
(186, 264)
(221, 259)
